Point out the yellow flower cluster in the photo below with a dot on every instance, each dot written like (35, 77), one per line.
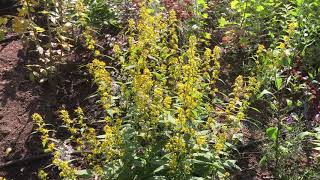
(291, 27)
(286, 39)
(261, 49)
(66, 171)
(167, 79)
(102, 78)
(44, 132)
(81, 12)
(176, 147)
(167, 93)
(90, 42)
(237, 106)
(112, 135)
(64, 115)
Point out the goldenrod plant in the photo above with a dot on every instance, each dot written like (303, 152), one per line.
(163, 113)
(177, 87)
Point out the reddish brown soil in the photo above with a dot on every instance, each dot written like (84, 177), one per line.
(18, 99)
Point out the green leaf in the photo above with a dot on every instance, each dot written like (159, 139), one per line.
(160, 168)
(263, 161)
(39, 29)
(231, 164)
(234, 4)
(278, 83)
(299, 2)
(130, 67)
(207, 36)
(272, 133)
(196, 161)
(289, 103)
(84, 173)
(203, 3)
(222, 22)
(32, 77)
(317, 148)
(260, 8)
(205, 15)
(304, 134)
(264, 92)
(2, 34)
(150, 11)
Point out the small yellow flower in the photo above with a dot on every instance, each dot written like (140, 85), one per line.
(282, 46)
(158, 92)
(261, 48)
(91, 47)
(97, 53)
(167, 102)
(41, 174)
(286, 39)
(50, 147)
(201, 140)
(98, 169)
(131, 24)
(292, 26)
(117, 49)
(219, 147)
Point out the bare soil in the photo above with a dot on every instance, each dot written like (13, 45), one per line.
(19, 98)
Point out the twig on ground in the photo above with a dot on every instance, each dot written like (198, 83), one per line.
(34, 158)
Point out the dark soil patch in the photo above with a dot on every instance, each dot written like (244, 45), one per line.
(20, 98)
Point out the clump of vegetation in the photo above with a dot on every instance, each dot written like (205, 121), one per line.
(161, 117)
(180, 84)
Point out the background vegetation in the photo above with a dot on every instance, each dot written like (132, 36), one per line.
(178, 83)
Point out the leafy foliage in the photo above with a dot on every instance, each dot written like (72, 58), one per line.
(175, 90)
(160, 109)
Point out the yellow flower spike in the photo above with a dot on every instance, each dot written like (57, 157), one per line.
(167, 102)
(131, 24)
(201, 140)
(117, 50)
(292, 26)
(38, 119)
(158, 92)
(64, 115)
(90, 46)
(80, 116)
(50, 147)
(65, 170)
(98, 169)
(176, 144)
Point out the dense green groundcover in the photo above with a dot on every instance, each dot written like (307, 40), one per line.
(180, 83)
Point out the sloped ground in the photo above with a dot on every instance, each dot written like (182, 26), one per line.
(18, 100)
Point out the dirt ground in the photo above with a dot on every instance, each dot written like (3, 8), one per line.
(19, 98)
